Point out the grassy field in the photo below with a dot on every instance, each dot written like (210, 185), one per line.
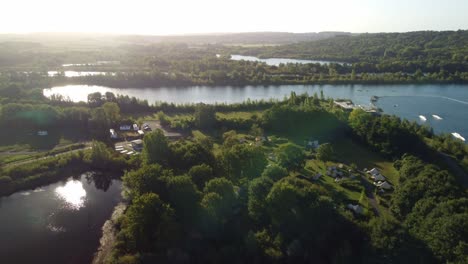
(239, 115)
(349, 152)
(316, 166)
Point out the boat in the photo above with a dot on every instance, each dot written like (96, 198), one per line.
(374, 98)
(423, 118)
(42, 133)
(458, 136)
(437, 117)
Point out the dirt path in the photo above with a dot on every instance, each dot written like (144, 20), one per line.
(371, 197)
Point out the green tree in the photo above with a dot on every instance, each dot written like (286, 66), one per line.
(156, 148)
(257, 193)
(112, 112)
(183, 196)
(201, 174)
(291, 156)
(274, 172)
(148, 223)
(325, 152)
(148, 178)
(256, 130)
(242, 160)
(205, 116)
(95, 99)
(99, 156)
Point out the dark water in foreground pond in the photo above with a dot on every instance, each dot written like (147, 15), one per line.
(58, 223)
(450, 102)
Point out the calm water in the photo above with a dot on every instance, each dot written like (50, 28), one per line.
(278, 61)
(407, 101)
(58, 223)
(78, 73)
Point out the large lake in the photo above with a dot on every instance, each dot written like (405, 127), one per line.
(278, 61)
(58, 223)
(407, 101)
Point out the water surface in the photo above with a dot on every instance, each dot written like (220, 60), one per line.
(58, 223)
(78, 73)
(407, 101)
(278, 61)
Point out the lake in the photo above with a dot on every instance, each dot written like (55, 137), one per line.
(278, 61)
(78, 73)
(57, 223)
(449, 101)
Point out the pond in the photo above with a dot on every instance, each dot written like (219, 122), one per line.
(57, 223)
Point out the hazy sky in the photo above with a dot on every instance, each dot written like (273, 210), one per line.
(201, 16)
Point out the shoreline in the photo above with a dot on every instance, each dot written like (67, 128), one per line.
(109, 233)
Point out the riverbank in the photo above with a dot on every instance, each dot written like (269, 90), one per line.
(109, 235)
(374, 79)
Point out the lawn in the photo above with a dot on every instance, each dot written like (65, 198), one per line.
(239, 115)
(316, 166)
(349, 152)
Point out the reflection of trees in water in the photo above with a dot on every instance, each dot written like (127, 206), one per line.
(102, 181)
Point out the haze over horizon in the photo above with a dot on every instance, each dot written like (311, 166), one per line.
(181, 17)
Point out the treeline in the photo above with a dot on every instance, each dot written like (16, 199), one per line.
(439, 57)
(395, 137)
(428, 51)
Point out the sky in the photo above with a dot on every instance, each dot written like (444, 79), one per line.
(156, 17)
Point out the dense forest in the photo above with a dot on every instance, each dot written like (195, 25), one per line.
(427, 51)
(416, 57)
(210, 200)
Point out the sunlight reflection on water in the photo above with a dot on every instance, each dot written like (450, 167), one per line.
(72, 193)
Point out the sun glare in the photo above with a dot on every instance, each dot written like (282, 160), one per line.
(72, 193)
(206, 16)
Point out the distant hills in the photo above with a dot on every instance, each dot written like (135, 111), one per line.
(266, 38)
(429, 46)
(92, 39)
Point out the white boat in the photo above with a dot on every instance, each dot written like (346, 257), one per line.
(457, 135)
(42, 133)
(437, 117)
(423, 118)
